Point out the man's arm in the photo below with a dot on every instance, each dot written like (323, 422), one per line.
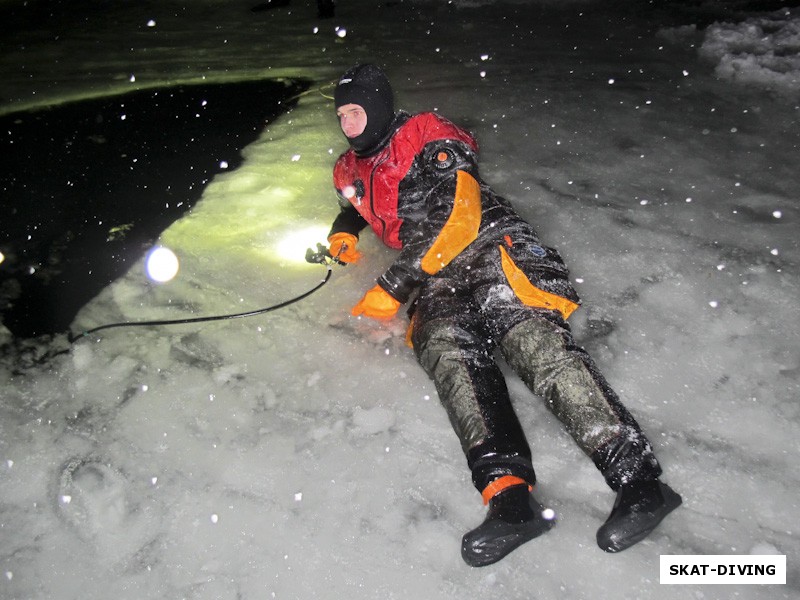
(348, 221)
(442, 215)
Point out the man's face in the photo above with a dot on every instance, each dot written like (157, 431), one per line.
(352, 119)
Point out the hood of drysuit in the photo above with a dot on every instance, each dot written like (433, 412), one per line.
(368, 86)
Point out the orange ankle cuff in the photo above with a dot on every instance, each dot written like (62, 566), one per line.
(500, 484)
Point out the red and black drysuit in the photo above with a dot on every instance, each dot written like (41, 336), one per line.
(483, 281)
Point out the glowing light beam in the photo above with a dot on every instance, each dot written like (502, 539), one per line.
(293, 246)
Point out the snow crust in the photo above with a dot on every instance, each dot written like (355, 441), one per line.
(763, 51)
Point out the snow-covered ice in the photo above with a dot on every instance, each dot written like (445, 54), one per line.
(303, 453)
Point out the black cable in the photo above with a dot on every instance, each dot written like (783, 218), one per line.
(72, 338)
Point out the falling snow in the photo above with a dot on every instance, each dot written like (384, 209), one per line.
(303, 454)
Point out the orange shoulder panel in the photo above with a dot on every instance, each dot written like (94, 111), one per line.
(461, 228)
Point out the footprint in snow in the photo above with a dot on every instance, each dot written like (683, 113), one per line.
(95, 499)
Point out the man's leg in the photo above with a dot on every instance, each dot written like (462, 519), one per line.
(542, 351)
(454, 349)
(456, 352)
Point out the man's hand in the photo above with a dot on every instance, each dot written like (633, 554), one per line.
(342, 246)
(377, 304)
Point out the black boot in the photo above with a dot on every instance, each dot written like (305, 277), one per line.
(640, 506)
(514, 518)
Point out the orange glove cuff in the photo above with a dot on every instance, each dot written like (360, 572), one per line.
(377, 304)
(343, 246)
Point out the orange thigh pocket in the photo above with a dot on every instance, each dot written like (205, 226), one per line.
(529, 294)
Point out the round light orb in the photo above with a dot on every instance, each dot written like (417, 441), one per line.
(161, 264)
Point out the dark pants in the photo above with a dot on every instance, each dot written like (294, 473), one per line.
(461, 318)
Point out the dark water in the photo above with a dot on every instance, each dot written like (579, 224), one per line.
(87, 187)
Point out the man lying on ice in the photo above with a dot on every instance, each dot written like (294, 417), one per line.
(483, 281)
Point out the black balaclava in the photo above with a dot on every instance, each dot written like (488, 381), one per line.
(367, 86)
